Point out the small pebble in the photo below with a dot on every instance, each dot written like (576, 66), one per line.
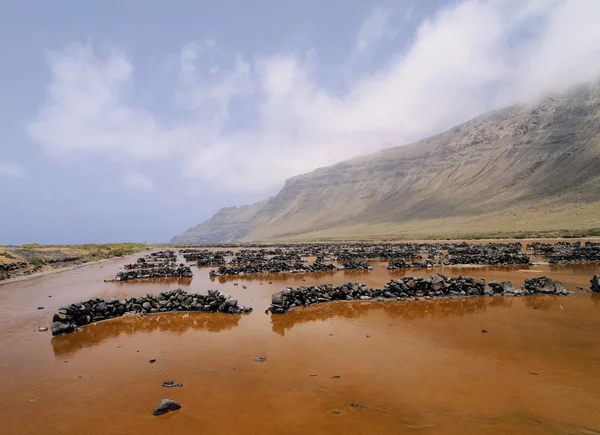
(533, 373)
(336, 377)
(484, 330)
(313, 374)
(260, 359)
(335, 411)
(43, 328)
(151, 360)
(40, 308)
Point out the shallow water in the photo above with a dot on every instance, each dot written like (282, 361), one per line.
(417, 366)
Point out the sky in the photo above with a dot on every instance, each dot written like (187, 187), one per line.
(133, 120)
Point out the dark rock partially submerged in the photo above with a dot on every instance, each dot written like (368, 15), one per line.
(72, 316)
(435, 286)
(595, 287)
(165, 406)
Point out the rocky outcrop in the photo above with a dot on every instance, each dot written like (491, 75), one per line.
(69, 318)
(435, 286)
(534, 162)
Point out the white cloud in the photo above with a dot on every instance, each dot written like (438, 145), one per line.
(376, 27)
(250, 124)
(137, 181)
(11, 170)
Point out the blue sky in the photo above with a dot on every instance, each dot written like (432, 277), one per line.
(134, 120)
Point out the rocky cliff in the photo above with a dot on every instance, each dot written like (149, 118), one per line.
(524, 168)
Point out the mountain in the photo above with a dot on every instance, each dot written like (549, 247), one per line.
(524, 169)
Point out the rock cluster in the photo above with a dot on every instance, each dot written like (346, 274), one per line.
(589, 252)
(400, 263)
(435, 286)
(170, 271)
(273, 266)
(544, 285)
(68, 318)
(489, 253)
(203, 255)
(357, 265)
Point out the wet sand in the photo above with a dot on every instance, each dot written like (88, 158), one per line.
(417, 366)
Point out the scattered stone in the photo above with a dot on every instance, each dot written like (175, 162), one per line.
(534, 373)
(165, 406)
(152, 360)
(260, 359)
(336, 377)
(43, 329)
(484, 330)
(40, 308)
(171, 384)
(312, 375)
(335, 411)
(359, 406)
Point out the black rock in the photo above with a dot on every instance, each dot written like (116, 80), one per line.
(172, 384)
(165, 406)
(484, 330)
(61, 328)
(151, 360)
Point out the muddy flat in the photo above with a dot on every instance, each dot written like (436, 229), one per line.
(345, 367)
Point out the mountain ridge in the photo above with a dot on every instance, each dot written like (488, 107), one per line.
(534, 162)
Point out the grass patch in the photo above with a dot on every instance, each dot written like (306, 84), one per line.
(31, 246)
(7, 255)
(2, 276)
(37, 262)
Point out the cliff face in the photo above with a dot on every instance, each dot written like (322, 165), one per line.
(522, 168)
(228, 225)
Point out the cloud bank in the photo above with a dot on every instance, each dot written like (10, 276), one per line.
(243, 122)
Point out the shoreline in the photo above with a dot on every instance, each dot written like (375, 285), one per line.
(43, 273)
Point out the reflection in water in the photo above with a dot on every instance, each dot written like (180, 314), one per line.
(410, 310)
(179, 281)
(282, 277)
(172, 323)
(595, 298)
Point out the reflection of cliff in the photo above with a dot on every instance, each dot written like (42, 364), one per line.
(595, 298)
(410, 310)
(173, 323)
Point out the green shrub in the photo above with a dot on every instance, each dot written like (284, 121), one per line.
(7, 255)
(2, 276)
(37, 262)
(32, 246)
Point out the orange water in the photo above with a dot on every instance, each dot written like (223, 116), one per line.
(417, 366)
